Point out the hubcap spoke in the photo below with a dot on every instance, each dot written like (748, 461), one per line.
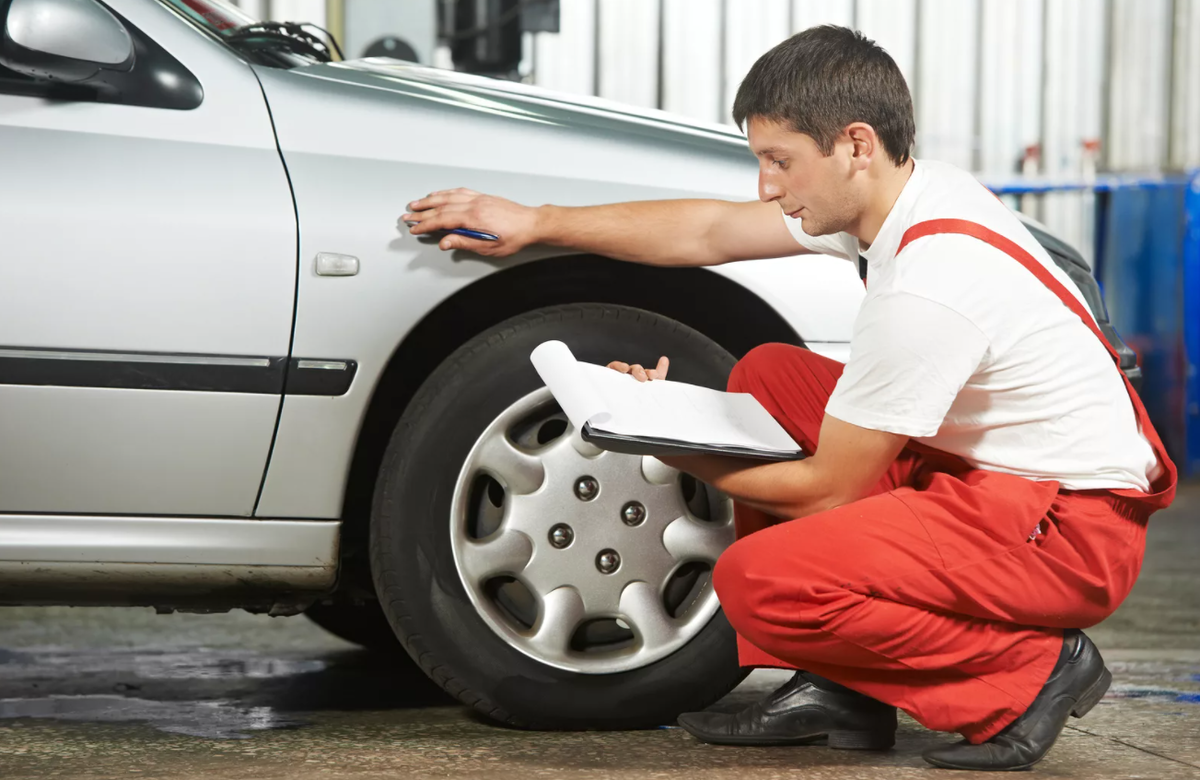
(642, 607)
(656, 472)
(520, 472)
(506, 552)
(690, 540)
(562, 612)
(584, 448)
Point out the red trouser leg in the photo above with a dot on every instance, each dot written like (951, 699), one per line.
(929, 594)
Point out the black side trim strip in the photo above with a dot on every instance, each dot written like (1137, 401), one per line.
(309, 376)
(142, 371)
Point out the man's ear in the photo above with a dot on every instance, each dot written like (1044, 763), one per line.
(863, 143)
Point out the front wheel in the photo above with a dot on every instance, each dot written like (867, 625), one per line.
(545, 582)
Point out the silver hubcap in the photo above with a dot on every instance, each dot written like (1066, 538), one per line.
(584, 560)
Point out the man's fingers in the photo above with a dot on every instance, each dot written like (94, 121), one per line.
(467, 244)
(617, 365)
(446, 217)
(442, 197)
(638, 372)
(660, 371)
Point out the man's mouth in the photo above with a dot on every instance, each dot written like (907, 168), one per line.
(796, 213)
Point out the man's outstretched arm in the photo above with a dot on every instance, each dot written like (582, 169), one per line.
(661, 232)
(848, 464)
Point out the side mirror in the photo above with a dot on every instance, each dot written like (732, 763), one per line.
(63, 40)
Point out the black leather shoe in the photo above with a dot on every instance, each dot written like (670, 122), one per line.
(1078, 681)
(801, 712)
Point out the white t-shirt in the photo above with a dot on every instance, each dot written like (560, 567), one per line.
(960, 347)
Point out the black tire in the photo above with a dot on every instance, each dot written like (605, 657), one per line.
(412, 558)
(364, 624)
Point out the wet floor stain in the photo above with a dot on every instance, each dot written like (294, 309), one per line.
(210, 693)
(210, 719)
(1152, 693)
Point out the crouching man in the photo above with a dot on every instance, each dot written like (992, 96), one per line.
(981, 472)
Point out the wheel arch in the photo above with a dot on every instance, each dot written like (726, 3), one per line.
(725, 311)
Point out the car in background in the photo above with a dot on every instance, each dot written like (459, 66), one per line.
(228, 379)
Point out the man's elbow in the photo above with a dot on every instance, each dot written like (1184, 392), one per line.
(816, 504)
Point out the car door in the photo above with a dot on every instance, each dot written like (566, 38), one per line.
(147, 285)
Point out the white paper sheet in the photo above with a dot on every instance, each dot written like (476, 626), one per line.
(617, 403)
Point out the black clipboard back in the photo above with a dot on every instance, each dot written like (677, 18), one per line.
(655, 447)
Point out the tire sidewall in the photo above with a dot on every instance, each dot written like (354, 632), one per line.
(415, 570)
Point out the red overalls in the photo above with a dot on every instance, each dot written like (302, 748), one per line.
(946, 590)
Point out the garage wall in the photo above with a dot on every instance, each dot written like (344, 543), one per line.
(1068, 84)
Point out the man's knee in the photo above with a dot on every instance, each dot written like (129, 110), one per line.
(758, 364)
(758, 589)
(731, 581)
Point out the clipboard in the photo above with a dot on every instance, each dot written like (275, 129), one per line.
(655, 447)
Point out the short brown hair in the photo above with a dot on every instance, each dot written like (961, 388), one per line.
(825, 78)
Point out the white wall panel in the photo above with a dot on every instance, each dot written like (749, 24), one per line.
(946, 80)
(893, 25)
(629, 51)
(566, 60)
(1010, 84)
(692, 58)
(1185, 113)
(810, 13)
(1140, 75)
(298, 11)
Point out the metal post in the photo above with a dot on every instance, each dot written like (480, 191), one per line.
(1173, 79)
(596, 47)
(335, 20)
(1106, 85)
(915, 89)
(977, 130)
(723, 58)
(660, 87)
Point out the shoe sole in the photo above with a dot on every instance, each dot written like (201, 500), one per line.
(1092, 695)
(838, 740)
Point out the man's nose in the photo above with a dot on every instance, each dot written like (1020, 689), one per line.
(768, 190)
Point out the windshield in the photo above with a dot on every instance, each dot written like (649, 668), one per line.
(275, 44)
(216, 15)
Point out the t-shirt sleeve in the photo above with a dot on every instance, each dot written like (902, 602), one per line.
(909, 358)
(840, 245)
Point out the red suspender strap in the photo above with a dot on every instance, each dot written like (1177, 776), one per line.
(1164, 486)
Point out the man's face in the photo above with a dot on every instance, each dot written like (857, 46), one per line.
(820, 190)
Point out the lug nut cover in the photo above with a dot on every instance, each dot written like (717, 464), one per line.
(633, 513)
(586, 488)
(561, 536)
(608, 561)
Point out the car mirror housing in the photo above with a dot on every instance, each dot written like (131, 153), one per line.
(68, 41)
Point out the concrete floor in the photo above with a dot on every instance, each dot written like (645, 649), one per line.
(95, 693)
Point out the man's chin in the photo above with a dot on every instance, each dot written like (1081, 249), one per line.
(815, 228)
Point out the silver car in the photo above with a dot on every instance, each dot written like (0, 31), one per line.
(229, 380)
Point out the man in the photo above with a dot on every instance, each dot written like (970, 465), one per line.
(984, 472)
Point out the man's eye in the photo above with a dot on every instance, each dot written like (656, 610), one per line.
(782, 164)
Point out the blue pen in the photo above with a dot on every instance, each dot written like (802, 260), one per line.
(479, 234)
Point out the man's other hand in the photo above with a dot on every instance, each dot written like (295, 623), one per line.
(643, 374)
(514, 224)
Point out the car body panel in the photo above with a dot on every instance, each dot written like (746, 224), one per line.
(164, 561)
(362, 139)
(123, 234)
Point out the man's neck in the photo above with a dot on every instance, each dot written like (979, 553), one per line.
(884, 195)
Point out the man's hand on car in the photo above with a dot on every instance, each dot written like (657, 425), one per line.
(515, 225)
(643, 374)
